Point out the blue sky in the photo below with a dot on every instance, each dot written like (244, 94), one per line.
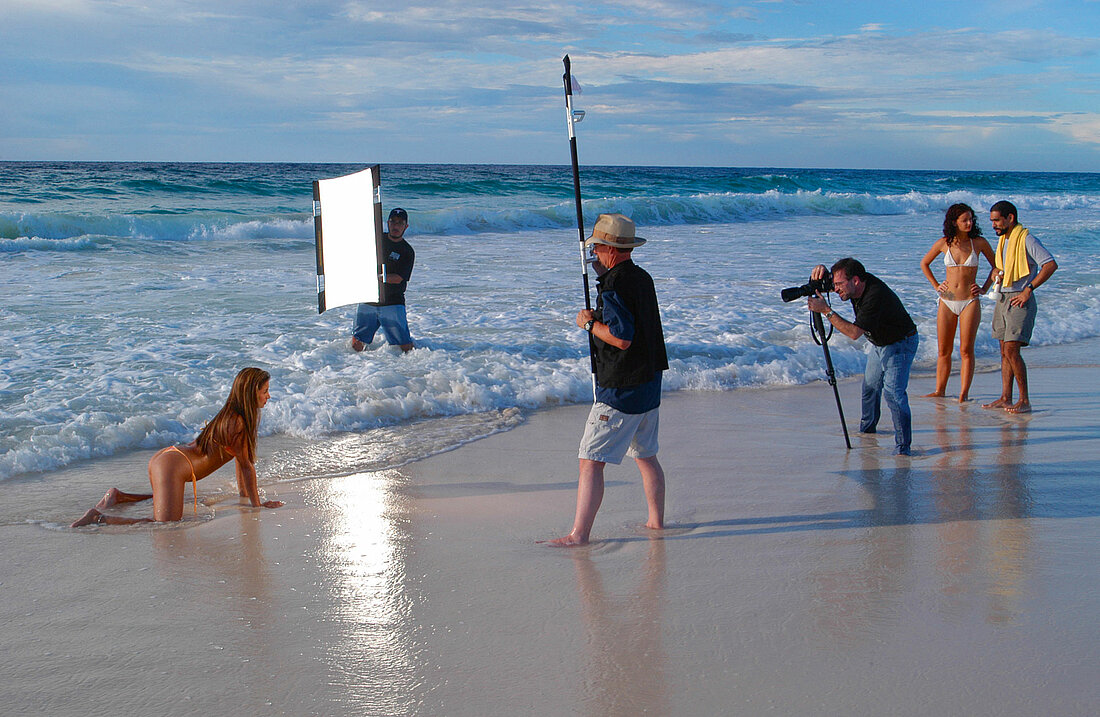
(1004, 85)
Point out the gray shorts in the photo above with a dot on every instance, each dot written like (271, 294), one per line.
(1014, 323)
(610, 434)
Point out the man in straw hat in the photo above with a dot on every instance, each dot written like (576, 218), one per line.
(628, 348)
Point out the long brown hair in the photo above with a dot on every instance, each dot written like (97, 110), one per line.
(950, 229)
(222, 429)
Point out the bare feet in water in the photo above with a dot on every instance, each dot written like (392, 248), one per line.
(569, 541)
(1021, 407)
(934, 394)
(92, 516)
(999, 403)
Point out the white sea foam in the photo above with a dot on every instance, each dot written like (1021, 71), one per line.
(113, 343)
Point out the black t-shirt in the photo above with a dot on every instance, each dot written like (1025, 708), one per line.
(880, 313)
(398, 257)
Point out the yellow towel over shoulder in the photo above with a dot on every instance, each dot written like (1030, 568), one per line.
(1014, 262)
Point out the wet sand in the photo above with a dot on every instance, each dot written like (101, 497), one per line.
(795, 577)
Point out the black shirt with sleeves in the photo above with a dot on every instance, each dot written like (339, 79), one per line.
(880, 313)
(398, 257)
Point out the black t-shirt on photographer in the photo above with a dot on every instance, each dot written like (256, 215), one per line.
(880, 313)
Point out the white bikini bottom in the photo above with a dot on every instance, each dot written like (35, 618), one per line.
(957, 305)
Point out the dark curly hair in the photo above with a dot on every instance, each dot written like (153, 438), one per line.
(950, 229)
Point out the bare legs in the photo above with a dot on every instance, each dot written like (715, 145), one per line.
(967, 324)
(968, 332)
(1013, 370)
(94, 516)
(946, 321)
(169, 471)
(653, 480)
(115, 496)
(590, 496)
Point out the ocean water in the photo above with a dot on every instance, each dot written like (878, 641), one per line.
(131, 294)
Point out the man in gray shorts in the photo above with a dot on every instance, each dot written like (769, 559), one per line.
(1025, 265)
(628, 350)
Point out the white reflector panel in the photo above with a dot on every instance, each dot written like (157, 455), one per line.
(348, 224)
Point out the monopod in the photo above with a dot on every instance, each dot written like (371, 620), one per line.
(817, 330)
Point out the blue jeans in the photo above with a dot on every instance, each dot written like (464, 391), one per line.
(392, 319)
(887, 373)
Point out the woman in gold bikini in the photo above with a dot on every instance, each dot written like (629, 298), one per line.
(960, 245)
(231, 434)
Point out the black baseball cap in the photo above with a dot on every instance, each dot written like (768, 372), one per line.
(399, 214)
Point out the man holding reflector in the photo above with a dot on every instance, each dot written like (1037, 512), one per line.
(628, 349)
(389, 311)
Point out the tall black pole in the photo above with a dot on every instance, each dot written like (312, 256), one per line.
(819, 330)
(567, 79)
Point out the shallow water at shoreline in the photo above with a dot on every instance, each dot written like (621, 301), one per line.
(796, 576)
(124, 326)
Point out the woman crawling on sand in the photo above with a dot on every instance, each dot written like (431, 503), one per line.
(231, 434)
(961, 244)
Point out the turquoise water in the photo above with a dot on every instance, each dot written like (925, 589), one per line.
(130, 294)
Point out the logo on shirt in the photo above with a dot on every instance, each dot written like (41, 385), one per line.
(394, 255)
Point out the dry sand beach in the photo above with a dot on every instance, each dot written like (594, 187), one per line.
(796, 577)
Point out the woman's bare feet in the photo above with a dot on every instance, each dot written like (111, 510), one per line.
(1021, 407)
(935, 394)
(999, 403)
(569, 541)
(108, 500)
(92, 516)
(115, 496)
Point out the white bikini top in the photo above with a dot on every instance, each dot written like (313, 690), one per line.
(971, 260)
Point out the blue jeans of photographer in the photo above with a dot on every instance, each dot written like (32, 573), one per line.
(887, 373)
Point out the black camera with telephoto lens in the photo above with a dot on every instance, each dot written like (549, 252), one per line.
(810, 288)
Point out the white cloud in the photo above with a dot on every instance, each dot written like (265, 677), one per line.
(1081, 127)
(684, 68)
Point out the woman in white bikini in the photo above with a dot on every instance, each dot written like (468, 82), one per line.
(960, 245)
(231, 434)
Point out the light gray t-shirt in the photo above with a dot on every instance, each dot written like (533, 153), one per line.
(1037, 255)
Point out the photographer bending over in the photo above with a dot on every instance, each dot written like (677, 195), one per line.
(893, 335)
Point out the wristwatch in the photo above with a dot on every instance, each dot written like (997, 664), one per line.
(1029, 286)
(588, 325)
(829, 315)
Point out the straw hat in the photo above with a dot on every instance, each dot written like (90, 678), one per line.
(614, 230)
